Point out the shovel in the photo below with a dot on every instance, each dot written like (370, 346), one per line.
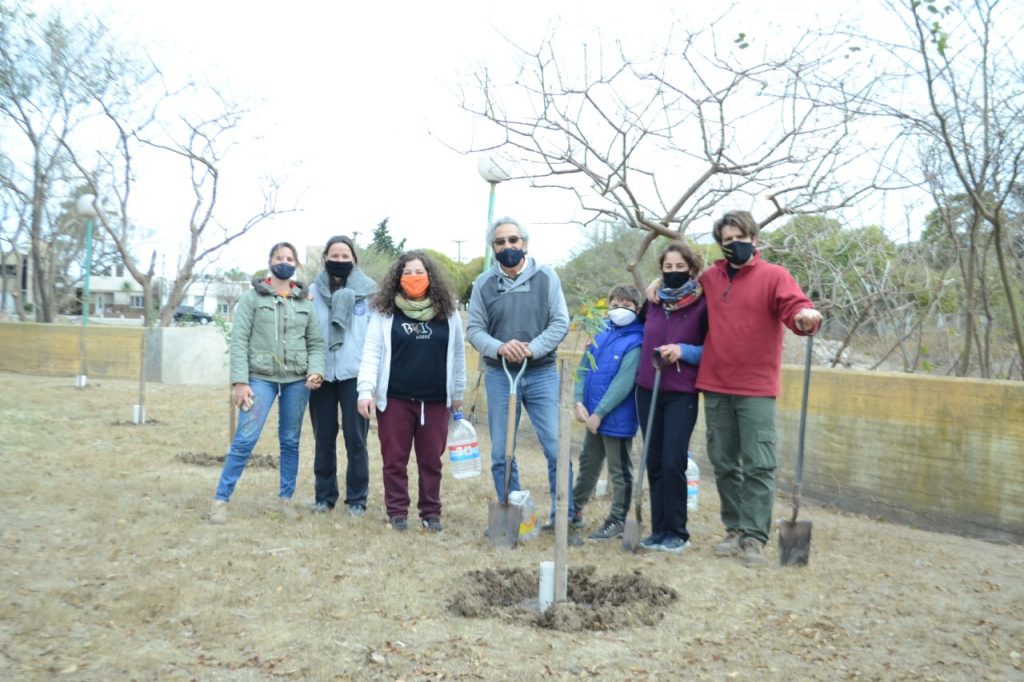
(795, 536)
(631, 532)
(503, 519)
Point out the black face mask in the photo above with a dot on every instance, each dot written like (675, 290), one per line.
(510, 257)
(283, 271)
(738, 253)
(674, 279)
(339, 268)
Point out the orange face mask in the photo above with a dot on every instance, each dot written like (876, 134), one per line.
(415, 286)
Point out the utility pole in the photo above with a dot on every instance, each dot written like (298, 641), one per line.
(458, 244)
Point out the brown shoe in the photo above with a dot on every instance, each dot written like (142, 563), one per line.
(753, 552)
(730, 546)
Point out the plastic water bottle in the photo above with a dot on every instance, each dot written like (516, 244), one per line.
(528, 526)
(463, 448)
(692, 483)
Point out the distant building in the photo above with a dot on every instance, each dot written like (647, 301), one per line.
(12, 288)
(113, 293)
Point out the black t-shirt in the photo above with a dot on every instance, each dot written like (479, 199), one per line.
(419, 357)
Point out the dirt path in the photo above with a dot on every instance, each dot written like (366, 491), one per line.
(110, 571)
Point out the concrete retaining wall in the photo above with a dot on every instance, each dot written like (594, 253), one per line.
(187, 355)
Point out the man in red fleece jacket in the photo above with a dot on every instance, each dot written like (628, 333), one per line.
(749, 301)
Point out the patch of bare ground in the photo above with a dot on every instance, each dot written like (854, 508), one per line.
(111, 571)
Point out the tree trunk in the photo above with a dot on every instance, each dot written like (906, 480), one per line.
(1011, 301)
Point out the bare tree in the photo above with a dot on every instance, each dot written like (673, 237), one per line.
(42, 101)
(203, 145)
(658, 143)
(956, 85)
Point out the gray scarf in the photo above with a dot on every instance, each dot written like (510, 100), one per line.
(341, 301)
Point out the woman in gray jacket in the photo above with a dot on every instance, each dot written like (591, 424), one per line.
(276, 350)
(340, 296)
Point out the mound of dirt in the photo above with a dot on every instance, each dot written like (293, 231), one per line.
(204, 460)
(593, 603)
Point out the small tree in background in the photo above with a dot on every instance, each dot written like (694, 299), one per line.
(383, 243)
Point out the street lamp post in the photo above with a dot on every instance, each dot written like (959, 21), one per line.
(87, 209)
(458, 246)
(493, 173)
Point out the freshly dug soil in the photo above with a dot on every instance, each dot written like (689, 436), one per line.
(592, 603)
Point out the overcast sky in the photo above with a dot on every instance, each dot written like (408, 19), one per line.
(350, 103)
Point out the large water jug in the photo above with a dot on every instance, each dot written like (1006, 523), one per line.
(463, 448)
(692, 483)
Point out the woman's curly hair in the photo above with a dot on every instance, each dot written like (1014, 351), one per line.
(440, 292)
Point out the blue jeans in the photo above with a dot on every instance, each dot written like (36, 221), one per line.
(294, 397)
(537, 390)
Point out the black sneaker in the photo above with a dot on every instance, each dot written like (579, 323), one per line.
(610, 529)
(653, 541)
(400, 523)
(433, 525)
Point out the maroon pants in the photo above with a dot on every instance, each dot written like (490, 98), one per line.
(400, 428)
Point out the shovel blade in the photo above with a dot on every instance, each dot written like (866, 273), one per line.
(503, 524)
(794, 543)
(631, 535)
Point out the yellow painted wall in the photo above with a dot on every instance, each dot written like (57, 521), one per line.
(52, 350)
(937, 452)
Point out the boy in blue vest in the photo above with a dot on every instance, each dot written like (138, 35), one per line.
(605, 382)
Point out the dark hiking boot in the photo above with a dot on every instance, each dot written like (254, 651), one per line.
(611, 529)
(730, 545)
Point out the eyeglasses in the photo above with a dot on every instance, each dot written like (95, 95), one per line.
(500, 241)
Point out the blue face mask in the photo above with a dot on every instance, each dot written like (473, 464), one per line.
(510, 257)
(282, 270)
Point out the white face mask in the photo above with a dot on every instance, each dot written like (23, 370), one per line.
(620, 317)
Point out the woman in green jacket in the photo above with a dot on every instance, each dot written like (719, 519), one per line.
(276, 350)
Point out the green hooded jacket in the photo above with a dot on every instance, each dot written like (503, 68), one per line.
(275, 338)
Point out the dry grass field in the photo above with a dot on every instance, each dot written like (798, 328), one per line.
(111, 571)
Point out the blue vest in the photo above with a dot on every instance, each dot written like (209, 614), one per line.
(608, 349)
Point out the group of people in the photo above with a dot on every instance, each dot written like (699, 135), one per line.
(716, 332)
(346, 347)
(398, 350)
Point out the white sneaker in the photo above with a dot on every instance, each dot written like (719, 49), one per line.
(219, 512)
(288, 510)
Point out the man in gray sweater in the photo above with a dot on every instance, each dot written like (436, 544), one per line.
(518, 312)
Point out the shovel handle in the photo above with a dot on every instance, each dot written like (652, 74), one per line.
(658, 364)
(799, 479)
(510, 424)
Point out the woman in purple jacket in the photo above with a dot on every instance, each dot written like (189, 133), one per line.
(674, 330)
